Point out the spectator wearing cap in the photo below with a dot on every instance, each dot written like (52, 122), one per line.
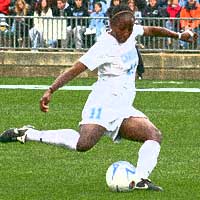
(3, 24)
(5, 33)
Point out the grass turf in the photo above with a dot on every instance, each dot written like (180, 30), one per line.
(41, 171)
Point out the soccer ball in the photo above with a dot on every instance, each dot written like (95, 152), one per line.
(120, 176)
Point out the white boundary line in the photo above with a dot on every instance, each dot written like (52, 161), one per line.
(170, 82)
(44, 87)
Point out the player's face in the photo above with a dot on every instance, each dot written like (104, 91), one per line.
(122, 27)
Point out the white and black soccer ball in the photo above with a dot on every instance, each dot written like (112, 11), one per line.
(120, 176)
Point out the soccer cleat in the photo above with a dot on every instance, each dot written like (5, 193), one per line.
(147, 185)
(15, 134)
(22, 138)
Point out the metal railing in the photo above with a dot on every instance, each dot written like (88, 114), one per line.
(69, 33)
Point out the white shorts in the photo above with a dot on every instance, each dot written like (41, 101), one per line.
(108, 111)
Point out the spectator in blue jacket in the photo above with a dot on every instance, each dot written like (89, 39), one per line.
(96, 25)
(183, 3)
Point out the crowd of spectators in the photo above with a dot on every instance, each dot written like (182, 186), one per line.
(171, 9)
(39, 30)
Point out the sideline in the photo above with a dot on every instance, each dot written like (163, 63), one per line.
(44, 87)
(170, 82)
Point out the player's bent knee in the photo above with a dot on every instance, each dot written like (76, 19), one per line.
(89, 136)
(82, 147)
(84, 144)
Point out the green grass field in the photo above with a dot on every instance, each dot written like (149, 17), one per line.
(37, 171)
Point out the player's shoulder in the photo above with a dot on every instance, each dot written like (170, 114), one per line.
(105, 41)
(101, 47)
(105, 36)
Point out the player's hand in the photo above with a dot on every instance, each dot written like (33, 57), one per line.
(189, 36)
(44, 101)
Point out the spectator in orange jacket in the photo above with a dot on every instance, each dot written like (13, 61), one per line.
(191, 10)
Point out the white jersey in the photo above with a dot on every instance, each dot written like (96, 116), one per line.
(113, 93)
(110, 57)
(116, 62)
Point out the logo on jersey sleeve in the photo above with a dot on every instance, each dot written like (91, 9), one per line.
(129, 59)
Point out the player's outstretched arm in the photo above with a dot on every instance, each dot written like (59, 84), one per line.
(188, 35)
(64, 78)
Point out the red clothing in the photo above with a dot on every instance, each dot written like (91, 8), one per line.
(4, 6)
(193, 13)
(173, 11)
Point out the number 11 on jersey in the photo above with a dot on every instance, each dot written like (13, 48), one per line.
(95, 113)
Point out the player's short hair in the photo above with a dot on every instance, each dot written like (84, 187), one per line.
(115, 11)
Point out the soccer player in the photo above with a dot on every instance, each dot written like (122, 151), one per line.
(108, 109)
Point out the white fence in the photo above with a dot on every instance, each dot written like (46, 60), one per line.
(62, 33)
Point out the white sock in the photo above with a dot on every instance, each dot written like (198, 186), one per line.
(147, 158)
(63, 137)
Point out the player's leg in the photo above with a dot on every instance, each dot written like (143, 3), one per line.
(142, 129)
(63, 137)
(90, 134)
(88, 137)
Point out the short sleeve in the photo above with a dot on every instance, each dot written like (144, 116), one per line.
(94, 57)
(138, 30)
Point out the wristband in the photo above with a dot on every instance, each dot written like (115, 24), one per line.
(179, 35)
(51, 90)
